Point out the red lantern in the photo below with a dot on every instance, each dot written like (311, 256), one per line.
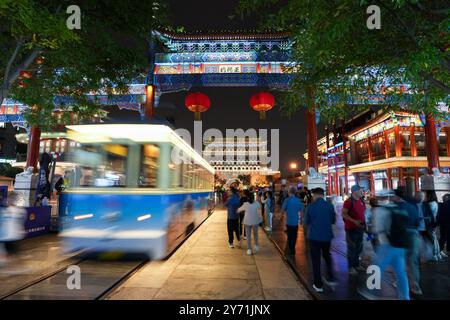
(197, 102)
(40, 60)
(25, 74)
(262, 102)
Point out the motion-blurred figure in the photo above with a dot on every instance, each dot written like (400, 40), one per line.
(431, 212)
(391, 224)
(12, 228)
(370, 230)
(444, 225)
(413, 252)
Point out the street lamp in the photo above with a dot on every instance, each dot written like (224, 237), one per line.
(293, 167)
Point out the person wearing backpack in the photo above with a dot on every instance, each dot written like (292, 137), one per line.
(391, 224)
(353, 213)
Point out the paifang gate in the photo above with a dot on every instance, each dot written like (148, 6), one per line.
(219, 60)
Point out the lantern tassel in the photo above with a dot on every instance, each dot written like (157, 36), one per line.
(197, 116)
(262, 115)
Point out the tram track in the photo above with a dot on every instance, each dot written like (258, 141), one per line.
(38, 279)
(99, 278)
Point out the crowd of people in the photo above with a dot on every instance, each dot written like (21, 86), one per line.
(247, 209)
(403, 231)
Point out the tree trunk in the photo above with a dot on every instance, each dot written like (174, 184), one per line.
(431, 143)
(33, 147)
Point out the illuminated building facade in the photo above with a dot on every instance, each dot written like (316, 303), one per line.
(229, 59)
(379, 150)
(231, 157)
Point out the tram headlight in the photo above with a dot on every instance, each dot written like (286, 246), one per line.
(144, 217)
(83, 216)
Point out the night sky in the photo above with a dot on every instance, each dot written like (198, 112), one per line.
(230, 106)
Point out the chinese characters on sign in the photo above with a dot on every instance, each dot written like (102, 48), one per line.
(230, 69)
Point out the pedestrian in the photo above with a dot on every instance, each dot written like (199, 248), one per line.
(413, 252)
(371, 234)
(353, 213)
(59, 185)
(252, 218)
(406, 203)
(444, 225)
(270, 209)
(320, 216)
(302, 194)
(263, 199)
(309, 197)
(430, 213)
(292, 208)
(232, 205)
(282, 195)
(12, 228)
(242, 200)
(390, 223)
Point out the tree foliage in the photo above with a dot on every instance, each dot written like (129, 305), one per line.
(338, 57)
(107, 53)
(9, 171)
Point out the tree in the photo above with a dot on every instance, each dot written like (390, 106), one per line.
(9, 171)
(338, 57)
(107, 53)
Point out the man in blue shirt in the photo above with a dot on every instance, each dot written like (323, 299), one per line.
(232, 205)
(292, 207)
(320, 216)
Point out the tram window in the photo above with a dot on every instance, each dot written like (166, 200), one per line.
(149, 166)
(175, 172)
(191, 176)
(188, 181)
(103, 165)
(199, 172)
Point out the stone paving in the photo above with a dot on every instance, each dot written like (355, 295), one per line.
(435, 277)
(205, 268)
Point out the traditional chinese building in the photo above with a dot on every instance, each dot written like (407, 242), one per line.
(232, 157)
(380, 150)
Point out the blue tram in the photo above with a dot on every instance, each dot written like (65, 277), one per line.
(138, 189)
